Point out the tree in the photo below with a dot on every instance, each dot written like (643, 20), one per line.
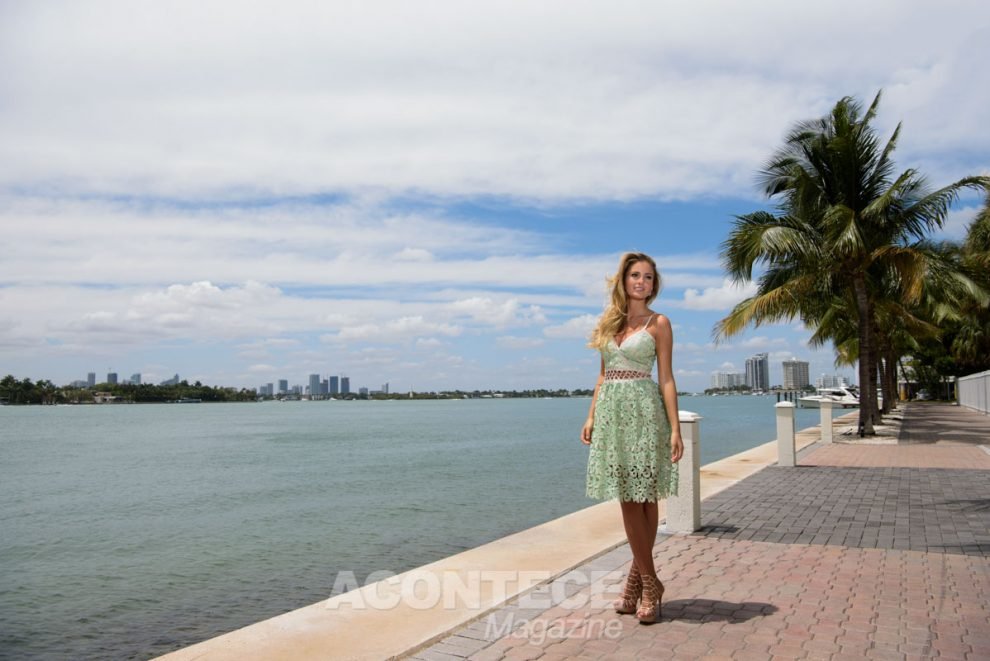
(843, 224)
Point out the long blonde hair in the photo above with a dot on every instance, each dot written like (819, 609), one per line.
(613, 319)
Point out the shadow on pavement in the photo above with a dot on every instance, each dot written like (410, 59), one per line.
(929, 422)
(709, 610)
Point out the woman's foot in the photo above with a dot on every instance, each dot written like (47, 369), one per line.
(649, 610)
(630, 593)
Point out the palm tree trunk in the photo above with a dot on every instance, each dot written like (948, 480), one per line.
(874, 383)
(867, 393)
(891, 368)
(881, 348)
(883, 369)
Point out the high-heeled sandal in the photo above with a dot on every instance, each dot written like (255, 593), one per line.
(630, 593)
(649, 611)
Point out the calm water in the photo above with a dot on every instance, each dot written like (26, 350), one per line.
(131, 531)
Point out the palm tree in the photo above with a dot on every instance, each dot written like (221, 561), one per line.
(970, 346)
(843, 222)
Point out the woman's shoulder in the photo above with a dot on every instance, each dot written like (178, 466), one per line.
(660, 320)
(659, 325)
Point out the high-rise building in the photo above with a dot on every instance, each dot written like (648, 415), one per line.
(345, 385)
(112, 378)
(758, 372)
(831, 381)
(325, 387)
(174, 381)
(795, 374)
(363, 392)
(283, 386)
(385, 388)
(91, 379)
(334, 386)
(314, 386)
(728, 379)
(136, 379)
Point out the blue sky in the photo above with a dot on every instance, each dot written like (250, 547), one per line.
(428, 194)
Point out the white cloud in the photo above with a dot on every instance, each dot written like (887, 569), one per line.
(957, 222)
(691, 347)
(723, 297)
(499, 315)
(513, 342)
(221, 173)
(398, 330)
(762, 342)
(615, 102)
(414, 255)
(575, 327)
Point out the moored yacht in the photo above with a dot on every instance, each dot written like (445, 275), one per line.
(841, 397)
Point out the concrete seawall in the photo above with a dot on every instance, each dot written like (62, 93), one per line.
(400, 615)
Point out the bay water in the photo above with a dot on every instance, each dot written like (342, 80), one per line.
(127, 531)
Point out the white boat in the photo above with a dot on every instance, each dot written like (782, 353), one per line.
(840, 397)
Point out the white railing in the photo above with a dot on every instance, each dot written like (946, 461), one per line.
(974, 391)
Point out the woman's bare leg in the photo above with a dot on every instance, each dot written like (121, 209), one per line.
(641, 521)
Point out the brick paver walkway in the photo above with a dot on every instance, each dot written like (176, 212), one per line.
(936, 510)
(782, 571)
(906, 456)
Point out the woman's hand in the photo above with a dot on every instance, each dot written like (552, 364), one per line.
(586, 431)
(676, 448)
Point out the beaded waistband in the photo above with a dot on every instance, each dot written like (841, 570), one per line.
(625, 375)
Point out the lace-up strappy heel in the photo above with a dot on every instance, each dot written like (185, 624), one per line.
(649, 610)
(630, 593)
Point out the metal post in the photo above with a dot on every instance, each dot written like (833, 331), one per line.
(684, 509)
(826, 421)
(785, 434)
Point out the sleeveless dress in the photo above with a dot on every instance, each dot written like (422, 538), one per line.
(630, 440)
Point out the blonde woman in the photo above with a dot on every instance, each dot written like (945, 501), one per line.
(632, 426)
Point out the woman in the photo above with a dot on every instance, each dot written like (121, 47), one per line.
(632, 426)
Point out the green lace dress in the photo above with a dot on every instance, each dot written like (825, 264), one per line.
(630, 441)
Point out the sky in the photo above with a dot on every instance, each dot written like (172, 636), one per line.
(428, 194)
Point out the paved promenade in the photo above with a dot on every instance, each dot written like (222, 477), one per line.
(878, 551)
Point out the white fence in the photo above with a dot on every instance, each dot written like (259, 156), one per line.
(974, 391)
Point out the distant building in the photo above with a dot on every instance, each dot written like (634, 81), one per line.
(363, 392)
(831, 381)
(136, 379)
(91, 379)
(79, 384)
(112, 378)
(334, 386)
(758, 372)
(174, 381)
(345, 385)
(795, 374)
(324, 387)
(728, 379)
(283, 386)
(266, 390)
(314, 386)
(385, 388)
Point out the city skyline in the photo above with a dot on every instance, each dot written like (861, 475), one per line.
(410, 209)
